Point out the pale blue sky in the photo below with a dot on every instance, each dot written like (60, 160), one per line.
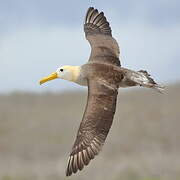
(37, 36)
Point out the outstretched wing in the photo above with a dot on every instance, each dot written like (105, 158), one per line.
(104, 47)
(94, 127)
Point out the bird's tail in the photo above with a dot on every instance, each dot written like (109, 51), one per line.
(139, 78)
(143, 78)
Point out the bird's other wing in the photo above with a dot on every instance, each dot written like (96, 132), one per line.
(104, 47)
(97, 120)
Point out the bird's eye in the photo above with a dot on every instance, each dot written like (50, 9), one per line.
(61, 70)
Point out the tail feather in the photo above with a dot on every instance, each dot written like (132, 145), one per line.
(146, 80)
(159, 88)
(139, 78)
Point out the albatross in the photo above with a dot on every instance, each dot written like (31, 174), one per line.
(103, 75)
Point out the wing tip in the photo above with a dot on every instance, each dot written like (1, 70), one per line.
(96, 22)
(77, 164)
(79, 160)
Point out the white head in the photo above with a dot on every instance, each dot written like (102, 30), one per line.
(69, 73)
(65, 72)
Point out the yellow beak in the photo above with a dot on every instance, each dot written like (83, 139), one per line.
(48, 78)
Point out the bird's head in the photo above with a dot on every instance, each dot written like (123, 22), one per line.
(69, 73)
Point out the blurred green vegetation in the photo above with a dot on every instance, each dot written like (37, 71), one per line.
(37, 132)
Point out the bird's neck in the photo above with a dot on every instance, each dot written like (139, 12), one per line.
(75, 70)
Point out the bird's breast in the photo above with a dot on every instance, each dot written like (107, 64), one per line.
(81, 80)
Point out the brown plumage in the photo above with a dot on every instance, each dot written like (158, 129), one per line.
(103, 75)
(101, 103)
(94, 127)
(104, 78)
(104, 47)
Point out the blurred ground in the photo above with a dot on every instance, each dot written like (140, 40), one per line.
(37, 132)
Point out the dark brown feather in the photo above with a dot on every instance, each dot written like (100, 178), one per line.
(94, 127)
(98, 18)
(98, 33)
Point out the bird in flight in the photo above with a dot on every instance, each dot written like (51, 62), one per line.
(103, 75)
